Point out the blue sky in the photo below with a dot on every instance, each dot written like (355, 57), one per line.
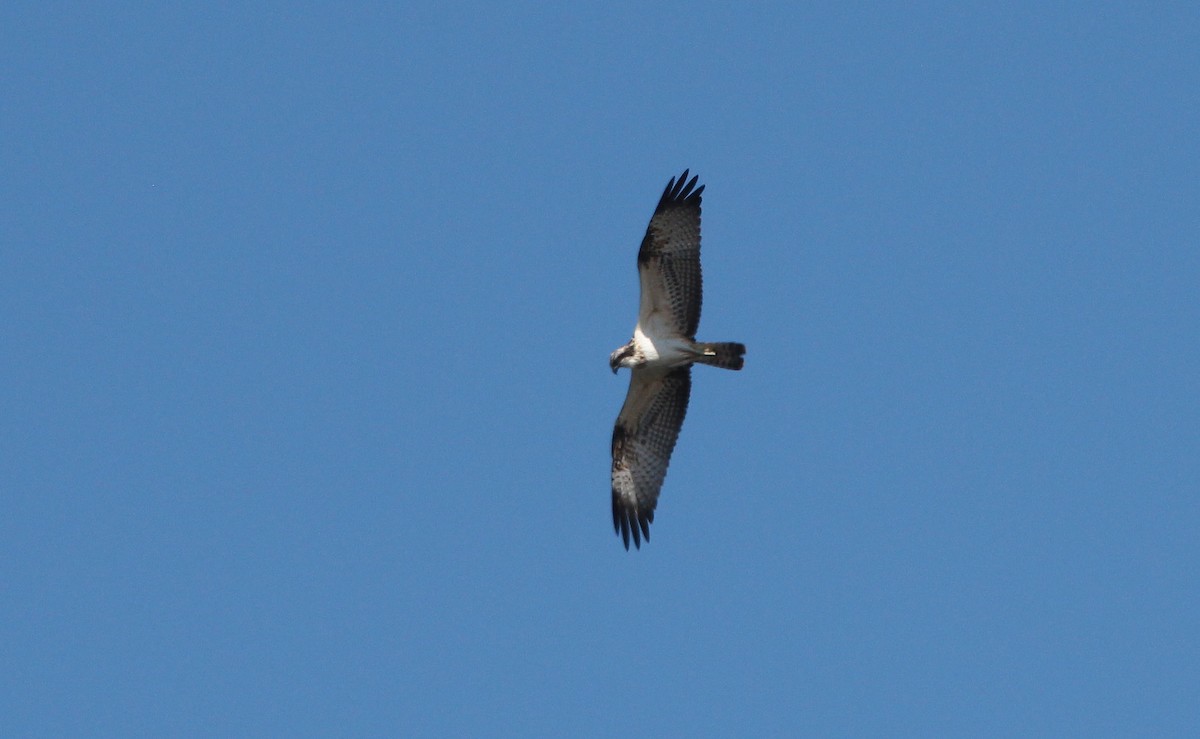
(305, 404)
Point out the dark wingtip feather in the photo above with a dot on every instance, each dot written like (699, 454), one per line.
(620, 520)
(620, 528)
(631, 523)
(680, 191)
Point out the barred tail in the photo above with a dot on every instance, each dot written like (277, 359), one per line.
(724, 354)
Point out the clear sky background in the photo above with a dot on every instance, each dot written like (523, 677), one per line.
(305, 407)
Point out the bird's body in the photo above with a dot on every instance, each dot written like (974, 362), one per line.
(660, 356)
(654, 347)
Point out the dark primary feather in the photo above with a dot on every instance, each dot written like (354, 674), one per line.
(669, 258)
(641, 448)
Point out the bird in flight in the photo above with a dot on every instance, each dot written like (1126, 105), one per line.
(660, 356)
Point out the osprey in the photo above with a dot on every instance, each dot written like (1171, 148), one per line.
(660, 355)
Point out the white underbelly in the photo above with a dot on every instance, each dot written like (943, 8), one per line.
(663, 352)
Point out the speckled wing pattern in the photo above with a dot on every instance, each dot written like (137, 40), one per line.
(669, 258)
(642, 442)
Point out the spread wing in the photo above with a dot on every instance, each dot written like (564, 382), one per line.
(642, 442)
(669, 261)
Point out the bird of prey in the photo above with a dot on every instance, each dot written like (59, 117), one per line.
(660, 356)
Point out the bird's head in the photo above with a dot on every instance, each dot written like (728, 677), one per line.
(620, 358)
